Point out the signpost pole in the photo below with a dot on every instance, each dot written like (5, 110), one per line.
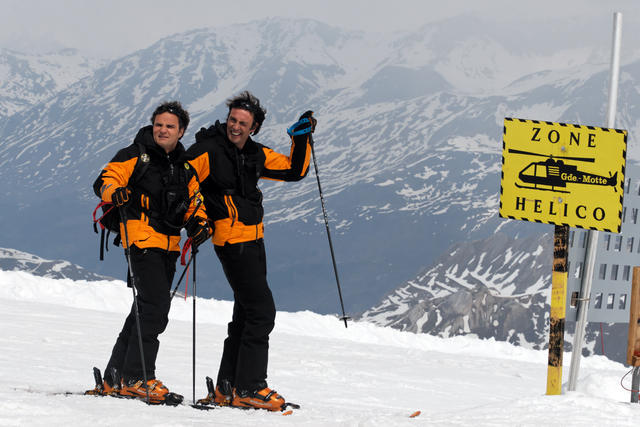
(590, 256)
(558, 309)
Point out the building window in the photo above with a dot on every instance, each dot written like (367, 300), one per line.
(597, 303)
(618, 244)
(578, 272)
(630, 244)
(571, 234)
(607, 241)
(603, 272)
(634, 215)
(614, 271)
(626, 273)
(610, 300)
(624, 214)
(622, 304)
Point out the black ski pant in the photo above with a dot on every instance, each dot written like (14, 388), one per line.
(246, 349)
(154, 270)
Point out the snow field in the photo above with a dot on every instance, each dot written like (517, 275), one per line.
(55, 331)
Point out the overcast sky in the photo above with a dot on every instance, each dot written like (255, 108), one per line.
(111, 28)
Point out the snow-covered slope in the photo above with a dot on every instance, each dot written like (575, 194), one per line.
(55, 331)
(28, 79)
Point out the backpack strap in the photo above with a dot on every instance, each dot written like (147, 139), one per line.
(103, 246)
(104, 212)
(141, 165)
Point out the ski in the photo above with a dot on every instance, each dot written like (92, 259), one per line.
(170, 399)
(51, 393)
(286, 409)
(173, 399)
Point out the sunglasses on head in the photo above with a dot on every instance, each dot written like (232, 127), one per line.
(244, 105)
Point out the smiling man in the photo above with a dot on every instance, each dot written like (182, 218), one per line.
(229, 164)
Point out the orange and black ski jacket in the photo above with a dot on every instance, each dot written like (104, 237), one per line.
(163, 199)
(229, 179)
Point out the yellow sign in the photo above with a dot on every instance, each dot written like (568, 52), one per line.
(563, 174)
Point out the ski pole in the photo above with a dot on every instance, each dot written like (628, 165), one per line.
(326, 223)
(175, 289)
(186, 246)
(194, 251)
(127, 253)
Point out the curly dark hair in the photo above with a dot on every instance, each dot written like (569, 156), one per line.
(175, 108)
(247, 101)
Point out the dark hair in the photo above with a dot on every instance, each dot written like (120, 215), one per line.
(175, 108)
(246, 101)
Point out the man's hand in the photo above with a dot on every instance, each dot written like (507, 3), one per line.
(306, 124)
(121, 197)
(199, 232)
(312, 120)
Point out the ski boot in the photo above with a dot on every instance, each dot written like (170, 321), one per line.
(109, 387)
(264, 398)
(159, 394)
(221, 395)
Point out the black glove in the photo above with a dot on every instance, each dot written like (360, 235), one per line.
(120, 197)
(299, 128)
(199, 232)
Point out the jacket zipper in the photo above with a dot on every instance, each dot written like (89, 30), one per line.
(170, 180)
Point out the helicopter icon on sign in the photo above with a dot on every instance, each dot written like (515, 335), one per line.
(551, 173)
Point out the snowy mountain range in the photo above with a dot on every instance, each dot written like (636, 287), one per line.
(28, 79)
(408, 146)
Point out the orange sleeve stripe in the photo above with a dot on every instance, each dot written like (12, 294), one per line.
(276, 161)
(116, 174)
(279, 167)
(201, 166)
(307, 160)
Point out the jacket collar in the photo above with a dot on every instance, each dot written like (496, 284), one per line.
(219, 132)
(145, 137)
